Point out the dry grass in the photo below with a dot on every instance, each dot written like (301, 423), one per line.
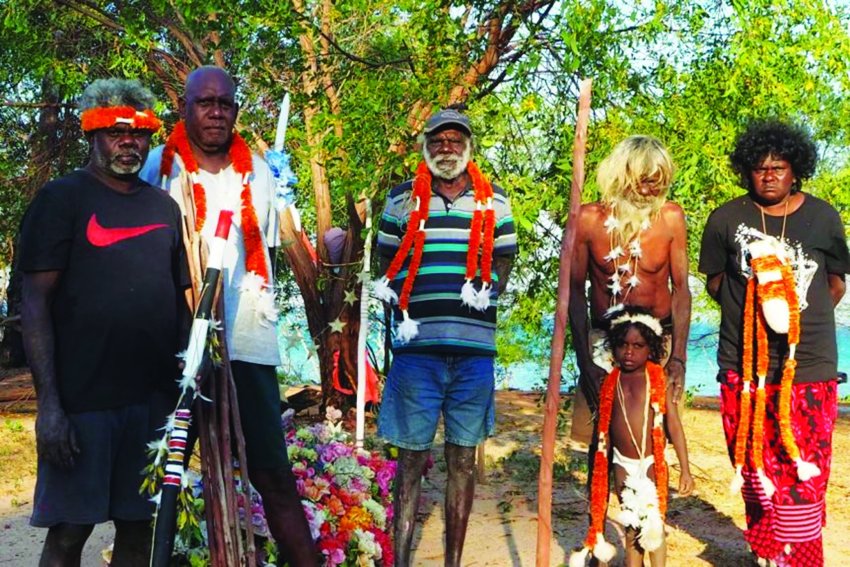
(17, 459)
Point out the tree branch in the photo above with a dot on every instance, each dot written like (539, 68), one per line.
(14, 104)
(347, 54)
(89, 11)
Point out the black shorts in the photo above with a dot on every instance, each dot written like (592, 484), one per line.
(259, 410)
(107, 473)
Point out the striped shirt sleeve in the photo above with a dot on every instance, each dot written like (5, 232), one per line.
(390, 229)
(505, 243)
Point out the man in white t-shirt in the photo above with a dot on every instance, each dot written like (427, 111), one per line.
(226, 175)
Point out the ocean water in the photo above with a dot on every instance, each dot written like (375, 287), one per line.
(301, 366)
(701, 376)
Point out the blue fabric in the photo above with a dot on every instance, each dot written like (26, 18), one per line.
(420, 387)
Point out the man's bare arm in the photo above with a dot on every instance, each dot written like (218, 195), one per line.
(590, 375)
(55, 438)
(712, 285)
(503, 266)
(680, 302)
(837, 287)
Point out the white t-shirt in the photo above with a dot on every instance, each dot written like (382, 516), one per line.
(250, 338)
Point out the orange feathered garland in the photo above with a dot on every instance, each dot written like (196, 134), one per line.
(108, 116)
(412, 236)
(805, 470)
(482, 221)
(595, 542)
(774, 288)
(743, 431)
(481, 237)
(658, 389)
(762, 363)
(241, 159)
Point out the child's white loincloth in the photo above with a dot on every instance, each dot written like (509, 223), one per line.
(633, 466)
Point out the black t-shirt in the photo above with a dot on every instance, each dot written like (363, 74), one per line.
(123, 268)
(816, 246)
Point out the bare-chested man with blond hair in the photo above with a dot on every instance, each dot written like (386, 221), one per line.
(632, 247)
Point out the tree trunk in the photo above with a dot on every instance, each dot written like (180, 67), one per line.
(329, 305)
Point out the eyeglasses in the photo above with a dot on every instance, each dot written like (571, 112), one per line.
(455, 143)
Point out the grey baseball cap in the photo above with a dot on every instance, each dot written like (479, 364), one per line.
(447, 118)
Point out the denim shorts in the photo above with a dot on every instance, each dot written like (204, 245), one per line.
(420, 387)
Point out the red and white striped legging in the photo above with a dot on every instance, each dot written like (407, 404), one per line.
(786, 528)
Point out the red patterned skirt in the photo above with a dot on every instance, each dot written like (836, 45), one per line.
(787, 527)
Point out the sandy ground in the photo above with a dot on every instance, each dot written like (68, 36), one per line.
(704, 529)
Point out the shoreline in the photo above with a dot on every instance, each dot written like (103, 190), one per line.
(703, 529)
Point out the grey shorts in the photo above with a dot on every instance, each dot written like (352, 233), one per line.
(107, 474)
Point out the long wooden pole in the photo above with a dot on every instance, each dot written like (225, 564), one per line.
(360, 428)
(556, 360)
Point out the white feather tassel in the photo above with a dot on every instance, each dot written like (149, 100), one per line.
(603, 550)
(806, 470)
(251, 282)
(482, 302)
(468, 295)
(737, 481)
(578, 558)
(185, 382)
(254, 287)
(381, 289)
(407, 329)
(628, 518)
(652, 533)
(267, 308)
(766, 484)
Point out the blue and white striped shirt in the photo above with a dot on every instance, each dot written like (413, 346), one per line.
(446, 326)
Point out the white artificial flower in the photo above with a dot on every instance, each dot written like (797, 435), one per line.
(614, 254)
(615, 288)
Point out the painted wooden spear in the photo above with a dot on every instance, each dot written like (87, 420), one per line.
(178, 425)
(364, 332)
(556, 360)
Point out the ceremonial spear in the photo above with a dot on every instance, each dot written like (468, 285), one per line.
(177, 427)
(364, 331)
(556, 361)
(278, 161)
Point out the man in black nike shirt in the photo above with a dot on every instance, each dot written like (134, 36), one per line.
(103, 263)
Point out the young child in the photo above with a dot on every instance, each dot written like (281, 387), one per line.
(635, 410)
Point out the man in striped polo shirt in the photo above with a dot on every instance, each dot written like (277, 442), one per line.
(447, 243)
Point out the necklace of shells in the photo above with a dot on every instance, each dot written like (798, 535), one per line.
(624, 255)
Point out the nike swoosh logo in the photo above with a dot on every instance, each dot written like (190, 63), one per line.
(101, 236)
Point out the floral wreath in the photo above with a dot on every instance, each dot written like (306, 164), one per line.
(481, 236)
(644, 319)
(107, 116)
(595, 540)
(772, 288)
(257, 279)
